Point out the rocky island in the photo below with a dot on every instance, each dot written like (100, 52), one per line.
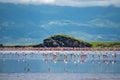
(63, 41)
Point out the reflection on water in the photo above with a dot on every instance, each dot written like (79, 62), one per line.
(60, 61)
(58, 76)
(59, 65)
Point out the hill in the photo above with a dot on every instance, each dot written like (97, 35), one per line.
(62, 40)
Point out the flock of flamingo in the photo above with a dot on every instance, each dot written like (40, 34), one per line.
(80, 57)
(76, 55)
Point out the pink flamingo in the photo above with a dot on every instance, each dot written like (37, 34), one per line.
(65, 58)
(71, 56)
(114, 58)
(55, 55)
(105, 57)
(83, 57)
(75, 58)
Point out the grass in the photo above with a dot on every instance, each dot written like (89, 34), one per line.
(105, 44)
(94, 44)
(67, 36)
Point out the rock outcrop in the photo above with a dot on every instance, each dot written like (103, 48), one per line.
(64, 41)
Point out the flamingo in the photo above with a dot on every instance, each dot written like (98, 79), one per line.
(24, 56)
(98, 58)
(114, 58)
(83, 57)
(78, 58)
(105, 56)
(55, 55)
(93, 57)
(45, 58)
(65, 58)
(3, 57)
(74, 58)
(16, 53)
(71, 55)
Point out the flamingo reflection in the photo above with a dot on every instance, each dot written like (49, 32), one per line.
(45, 57)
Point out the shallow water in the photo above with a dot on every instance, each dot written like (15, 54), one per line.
(32, 65)
(58, 76)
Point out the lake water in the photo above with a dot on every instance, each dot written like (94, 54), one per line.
(59, 65)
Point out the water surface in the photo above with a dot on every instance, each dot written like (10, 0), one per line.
(21, 65)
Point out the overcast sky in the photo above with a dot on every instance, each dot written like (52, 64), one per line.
(75, 3)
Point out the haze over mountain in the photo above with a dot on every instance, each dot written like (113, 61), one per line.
(31, 23)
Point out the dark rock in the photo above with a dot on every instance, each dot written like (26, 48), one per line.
(1, 45)
(64, 41)
(39, 45)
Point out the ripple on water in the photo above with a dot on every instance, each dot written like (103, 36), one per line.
(58, 76)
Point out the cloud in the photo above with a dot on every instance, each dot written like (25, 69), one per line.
(101, 23)
(73, 3)
(85, 3)
(104, 23)
(51, 24)
(28, 1)
(85, 36)
(94, 37)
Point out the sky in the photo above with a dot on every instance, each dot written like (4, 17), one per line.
(31, 21)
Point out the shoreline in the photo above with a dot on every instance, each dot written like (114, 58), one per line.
(60, 49)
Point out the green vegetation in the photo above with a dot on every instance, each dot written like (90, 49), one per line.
(62, 40)
(94, 44)
(105, 44)
(70, 40)
(67, 36)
